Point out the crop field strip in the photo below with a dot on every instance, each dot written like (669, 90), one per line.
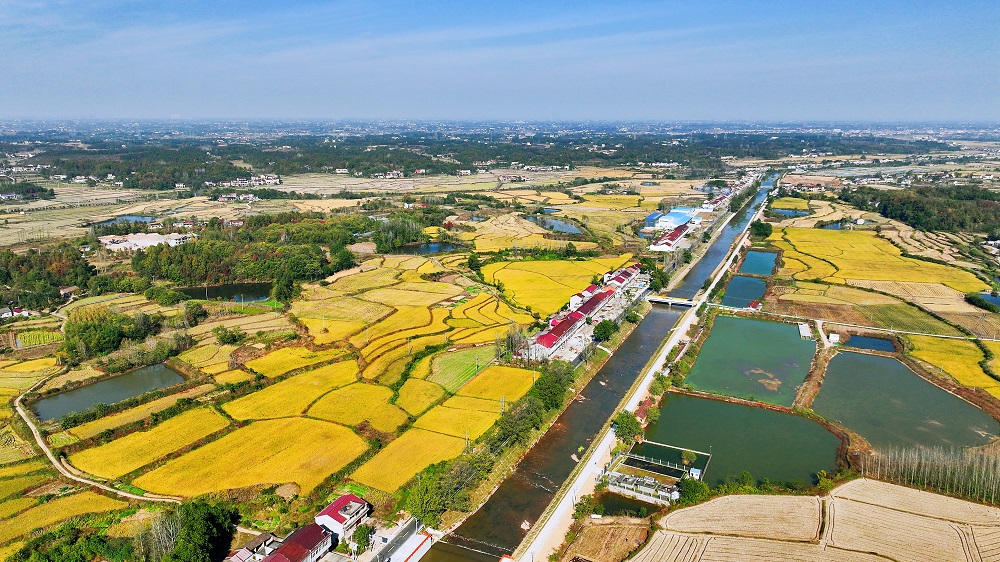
(495, 383)
(124, 455)
(56, 510)
(288, 359)
(358, 403)
(292, 396)
(300, 450)
(790, 518)
(458, 423)
(403, 458)
(957, 358)
(546, 285)
(141, 412)
(417, 395)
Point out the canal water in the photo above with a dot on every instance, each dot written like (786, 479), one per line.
(719, 249)
(107, 391)
(742, 290)
(774, 445)
(239, 292)
(496, 529)
(759, 263)
(889, 405)
(555, 225)
(753, 359)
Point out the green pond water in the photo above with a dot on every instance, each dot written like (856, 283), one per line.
(755, 359)
(888, 404)
(742, 290)
(759, 263)
(777, 446)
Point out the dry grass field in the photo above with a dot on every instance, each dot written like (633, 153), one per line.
(290, 358)
(56, 510)
(512, 231)
(958, 359)
(546, 286)
(791, 518)
(358, 403)
(401, 460)
(299, 450)
(292, 396)
(93, 428)
(495, 382)
(136, 450)
(609, 539)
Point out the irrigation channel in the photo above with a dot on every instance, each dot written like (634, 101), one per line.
(499, 526)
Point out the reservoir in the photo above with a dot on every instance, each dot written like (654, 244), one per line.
(555, 225)
(719, 249)
(742, 290)
(752, 359)
(889, 405)
(239, 292)
(107, 391)
(774, 445)
(759, 263)
(496, 529)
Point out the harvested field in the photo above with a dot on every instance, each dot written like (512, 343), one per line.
(292, 396)
(80, 374)
(959, 359)
(360, 402)
(453, 369)
(347, 309)
(91, 429)
(609, 539)
(121, 456)
(364, 281)
(290, 358)
(899, 535)
(399, 297)
(299, 450)
(460, 423)
(249, 324)
(790, 518)
(56, 510)
(401, 460)
(495, 382)
(918, 502)
(12, 447)
(417, 395)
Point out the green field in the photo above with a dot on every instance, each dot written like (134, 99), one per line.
(453, 369)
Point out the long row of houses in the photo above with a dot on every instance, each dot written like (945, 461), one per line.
(581, 306)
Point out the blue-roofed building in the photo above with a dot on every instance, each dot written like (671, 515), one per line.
(652, 218)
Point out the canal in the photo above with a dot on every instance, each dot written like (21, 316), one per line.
(498, 527)
(719, 249)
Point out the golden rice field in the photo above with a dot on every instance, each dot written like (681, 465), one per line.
(404, 318)
(364, 281)
(57, 510)
(392, 296)
(396, 339)
(460, 423)
(495, 382)
(512, 231)
(840, 255)
(326, 331)
(388, 366)
(417, 395)
(10, 507)
(790, 203)
(22, 468)
(290, 358)
(94, 428)
(23, 375)
(402, 459)
(122, 456)
(360, 402)
(546, 286)
(299, 450)
(292, 396)
(11, 486)
(470, 403)
(232, 377)
(958, 358)
(346, 309)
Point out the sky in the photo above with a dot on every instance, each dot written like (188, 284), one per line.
(507, 60)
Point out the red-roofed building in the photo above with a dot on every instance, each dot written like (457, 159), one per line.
(669, 241)
(343, 515)
(595, 303)
(550, 340)
(307, 544)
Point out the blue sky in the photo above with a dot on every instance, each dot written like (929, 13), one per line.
(580, 60)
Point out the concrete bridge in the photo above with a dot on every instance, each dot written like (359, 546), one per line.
(671, 301)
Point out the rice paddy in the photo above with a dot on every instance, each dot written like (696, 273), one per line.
(495, 383)
(122, 456)
(401, 460)
(141, 412)
(290, 358)
(417, 395)
(453, 369)
(959, 359)
(359, 403)
(57, 510)
(545, 286)
(293, 395)
(299, 450)
(459, 423)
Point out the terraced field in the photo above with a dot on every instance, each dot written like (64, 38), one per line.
(546, 286)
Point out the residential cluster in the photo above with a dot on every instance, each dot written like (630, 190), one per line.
(252, 181)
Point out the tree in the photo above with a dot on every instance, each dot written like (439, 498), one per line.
(627, 427)
(687, 256)
(604, 330)
(693, 491)
(688, 457)
(474, 263)
(363, 536)
(760, 229)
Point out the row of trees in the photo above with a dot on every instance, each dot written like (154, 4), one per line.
(967, 473)
(965, 208)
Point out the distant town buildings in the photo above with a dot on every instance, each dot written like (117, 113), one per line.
(142, 240)
(252, 181)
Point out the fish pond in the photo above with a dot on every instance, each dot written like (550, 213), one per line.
(127, 218)
(742, 290)
(555, 225)
(753, 359)
(759, 263)
(889, 405)
(774, 445)
(874, 344)
(107, 391)
(427, 248)
(790, 213)
(239, 292)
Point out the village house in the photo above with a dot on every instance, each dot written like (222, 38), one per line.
(307, 544)
(343, 515)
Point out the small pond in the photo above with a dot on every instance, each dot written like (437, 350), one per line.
(427, 248)
(988, 295)
(554, 225)
(889, 405)
(239, 292)
(791, 213)
(551, 211)
(753, 359)
(126, 218)
(834, 226)
(777, 446)
(742, 290)
(759, 263)
(874, 344)
(107, 391)
(615, 504)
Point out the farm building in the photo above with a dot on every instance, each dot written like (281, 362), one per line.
(307, 544)
(652, 219)
(669, 241)
(255, 550)
(143, 240)
(343, 515)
